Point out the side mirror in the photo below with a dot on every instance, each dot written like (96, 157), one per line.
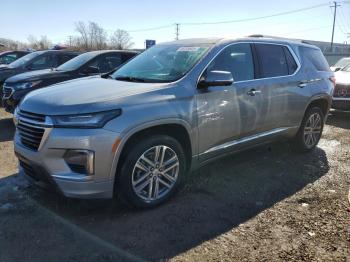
(91, 70)
(216, 78)
(337, 69)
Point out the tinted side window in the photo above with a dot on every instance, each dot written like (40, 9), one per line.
(236, 59)
(113, 61)
(7, 59)
(64, 58)
(292, 65)
(106, 63)
(272, 60)
(43, 62)
(128, 56)
(315, 57)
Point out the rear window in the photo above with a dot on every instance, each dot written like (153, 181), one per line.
(272, 60)
(315, 58)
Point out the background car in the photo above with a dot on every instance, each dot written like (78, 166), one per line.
(8, 57)
(340, 64)
(87, 64)
(35, 61)
(341, 94)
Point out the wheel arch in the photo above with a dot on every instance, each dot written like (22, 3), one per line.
(177, 128)
(323, 101)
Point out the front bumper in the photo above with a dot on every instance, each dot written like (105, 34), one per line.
(11, 102)
(47, 164)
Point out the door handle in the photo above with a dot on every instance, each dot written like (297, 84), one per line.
(302, 84)
(253, 92)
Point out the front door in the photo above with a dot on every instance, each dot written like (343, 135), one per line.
(226, 114)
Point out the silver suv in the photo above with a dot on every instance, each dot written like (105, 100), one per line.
(170, 110)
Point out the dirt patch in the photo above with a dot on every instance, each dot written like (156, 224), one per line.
(266, 204)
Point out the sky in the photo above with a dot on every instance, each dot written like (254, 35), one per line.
(56, 19)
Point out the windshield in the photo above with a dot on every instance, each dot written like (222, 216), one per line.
(76, 62)
(24, 59)
(162, 63)
(342, 62)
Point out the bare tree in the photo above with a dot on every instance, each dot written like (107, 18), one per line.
(9, 44)
(42, 43)
(121, 40)
(91, 36)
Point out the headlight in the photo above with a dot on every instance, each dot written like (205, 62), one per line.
(15, 116)
(26, 85)
(91, 120)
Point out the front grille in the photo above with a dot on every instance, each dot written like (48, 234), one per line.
(341, 90)
(29, 131)
(32, 116)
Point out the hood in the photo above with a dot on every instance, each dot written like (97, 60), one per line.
(35, 75)
(342, 77)
(90, 94)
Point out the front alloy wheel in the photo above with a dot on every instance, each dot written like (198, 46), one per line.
(155, 173)
(151, 171)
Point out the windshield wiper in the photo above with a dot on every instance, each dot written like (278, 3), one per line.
(130, 79)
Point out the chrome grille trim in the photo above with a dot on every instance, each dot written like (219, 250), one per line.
(33, 129)
(32, 117)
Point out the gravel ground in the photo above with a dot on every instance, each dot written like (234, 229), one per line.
(266, 204)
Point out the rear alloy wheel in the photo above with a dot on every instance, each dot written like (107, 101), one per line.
(151, 171)
(310, 131)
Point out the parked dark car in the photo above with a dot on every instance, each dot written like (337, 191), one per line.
(35, 61)
(87, 64)
(341, 94)
(8, 57)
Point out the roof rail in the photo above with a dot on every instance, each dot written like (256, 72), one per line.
(256, 35)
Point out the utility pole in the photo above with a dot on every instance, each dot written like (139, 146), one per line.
(177, 31)
(334, 17)
(70, 40)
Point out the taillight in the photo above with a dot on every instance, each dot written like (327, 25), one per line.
(332, 78)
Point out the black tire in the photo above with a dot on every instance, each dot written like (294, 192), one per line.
(124, 186)
(299, 144)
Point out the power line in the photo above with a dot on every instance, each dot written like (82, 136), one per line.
(309, 29)
(343, 18)
(259, 17)
(233, 21)
(150, 29)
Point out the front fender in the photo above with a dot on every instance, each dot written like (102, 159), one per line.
(126, 135)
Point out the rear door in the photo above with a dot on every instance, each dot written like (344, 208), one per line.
(278, 84)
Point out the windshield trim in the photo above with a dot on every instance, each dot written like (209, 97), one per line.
(160, 81)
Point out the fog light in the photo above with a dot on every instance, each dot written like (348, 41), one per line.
(80, 161)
